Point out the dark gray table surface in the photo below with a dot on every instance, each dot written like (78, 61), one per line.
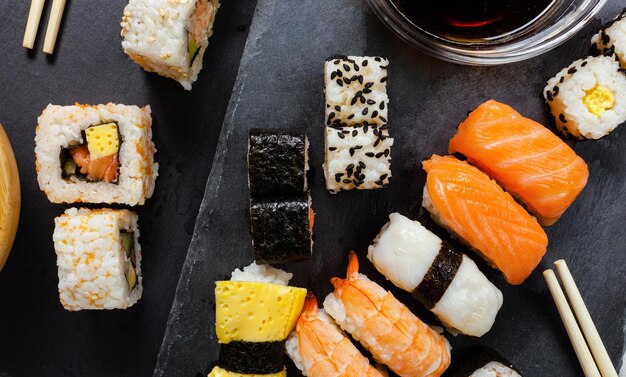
(37, 337)
(280, 85)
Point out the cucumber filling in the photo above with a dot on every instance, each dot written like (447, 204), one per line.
(128, 245)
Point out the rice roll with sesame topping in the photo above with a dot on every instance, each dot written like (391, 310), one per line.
(588, 98)
(480, 361)
(356, 90)
(357, 158)
(282, 229)
(254, 313)
(611, 40)
(278, 161)
(96, 154)
(98, 259)
(169, 37)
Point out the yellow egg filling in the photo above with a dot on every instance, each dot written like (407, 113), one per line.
(102, 140)
(598, 100)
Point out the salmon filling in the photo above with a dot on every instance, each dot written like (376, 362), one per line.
(199, 27)
(97, 159)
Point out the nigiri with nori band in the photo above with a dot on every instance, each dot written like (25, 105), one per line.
(385, 326)
(319, 349)
(479, 361)
(474, 208)
(527, 159)
(445, 281)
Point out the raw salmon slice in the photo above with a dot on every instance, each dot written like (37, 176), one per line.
(101, 169)
(527, 159)
(472, 206)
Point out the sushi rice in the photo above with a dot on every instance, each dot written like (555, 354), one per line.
(588, 98)
(611, 39)
(262, 273)
(495, 369)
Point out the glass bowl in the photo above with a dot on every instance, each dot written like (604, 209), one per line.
(562, 20)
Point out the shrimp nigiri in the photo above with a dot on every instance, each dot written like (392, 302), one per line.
(319, 349)
(385, 326)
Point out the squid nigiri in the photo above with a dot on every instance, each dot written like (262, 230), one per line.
(471, 206)
(385, 326)
(527, 159)
(319, 349)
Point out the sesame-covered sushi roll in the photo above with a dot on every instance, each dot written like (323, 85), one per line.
(254, 312)
(96, 154)
(282, 229)
(357, 157)
(278, 161)
(445, 281)
(611, 40)
(99, 259)
(588, 98)
(169, 37)
(356, 90)
(482, 362)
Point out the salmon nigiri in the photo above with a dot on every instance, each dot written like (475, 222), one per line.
(385, 326)
(473, 207)
(527, 159)
(320, 349)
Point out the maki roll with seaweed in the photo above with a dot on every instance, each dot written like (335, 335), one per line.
(445, 281)
(282, 229)
(482, 362)
(99, 259)
(278, 161)
(611, 40)
(358, 146)
(255, 311)
(96, 154)
(588, 98)
(169, 37)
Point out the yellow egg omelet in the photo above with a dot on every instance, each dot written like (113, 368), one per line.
(598, 100)
(219, 372)
(102, 140)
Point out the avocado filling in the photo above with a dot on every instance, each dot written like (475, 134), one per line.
(598, 100)
(97, 159)
(128, 245)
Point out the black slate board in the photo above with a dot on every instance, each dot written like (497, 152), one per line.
(280, 85)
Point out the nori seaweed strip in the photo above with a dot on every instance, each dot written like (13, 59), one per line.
(280, 229)
(276, 162)
(475, 358)
(252, 357)
(439, 276)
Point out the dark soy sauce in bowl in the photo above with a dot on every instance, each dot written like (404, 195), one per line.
(472, 20)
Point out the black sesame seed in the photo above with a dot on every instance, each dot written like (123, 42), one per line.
(375, 114)
(562, 118)
(356, 67)
(362, 99)
(339, 73)
(584, 64)
(377, 59)
(382, 105)
(347, 181)
(351, 151)
(383, 67)
(376, 144)
(350, 60)
(338, 108)
(345, 132)
(353, 78)
(369, 154)
(338, 177)
(354, 133)
(346, 80)
(375, 131)
(384, 79)
(350, 167)
(365, 128)
(384, 127)
(555, 91)
(572, 70)
(346, 67)
(369, 85)
(339, 82)
(562, 79)
(358, 146)
(351, 115)
(383, 118)
(382, 177)
(336, 61)
(549, 95)
(371, 102)
(341, 136)
(379, 183)
(605, 38)
(332, 149)
(379, 154)
(367, 91)
(364, 64)
(354, 100)
(358, 93)
(386, 152)
(333, 75)
(365, 110)
(362, 165)
(360, 79)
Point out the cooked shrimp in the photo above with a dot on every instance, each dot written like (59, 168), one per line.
(394, 335)
(323, 350)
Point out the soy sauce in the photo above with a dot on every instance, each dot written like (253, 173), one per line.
(469, 20)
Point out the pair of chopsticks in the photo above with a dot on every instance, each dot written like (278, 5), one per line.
(34, 16)
(602, 366)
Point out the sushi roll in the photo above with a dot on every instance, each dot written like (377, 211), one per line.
(357, 158)
(319, 349)
(588, 98)
(445, 281)
(282, 229)
(483, 362)
(611, 40)
(385, 326)
(358, 146)
(480, 213)
(96, 154)
(169, 37)
(356, 90)
(527, 159)
(255, 311)
(278, 161)
(98, 259)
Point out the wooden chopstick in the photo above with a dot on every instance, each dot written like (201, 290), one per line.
(56, 14)
(576, 337)
(34, 16)
(584, 319)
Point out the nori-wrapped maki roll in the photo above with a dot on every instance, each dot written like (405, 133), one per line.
(281, 229)
(481, 361)
(277, 162)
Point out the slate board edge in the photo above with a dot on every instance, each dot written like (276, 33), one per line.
(210, 194)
